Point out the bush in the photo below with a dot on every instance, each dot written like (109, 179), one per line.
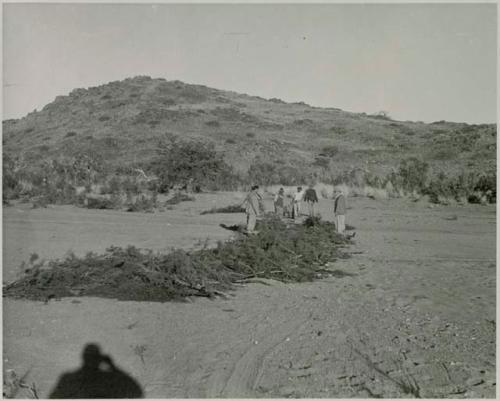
(113, 186)
(381, 115)
(462, 186)
(10, 180)
(153, 186)
(189, 162)
(474, 198)
(487, 185)
(411, 175)
(143, 204)
(267, 173)
(356, 177)
(101, 203)
(338, 130)
(263, 173)
(130, 186)
(322, 162)
(448, 153)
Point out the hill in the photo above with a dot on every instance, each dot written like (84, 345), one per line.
(123, 121)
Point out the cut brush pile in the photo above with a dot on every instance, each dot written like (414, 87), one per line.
(225, 209)
(289, 253)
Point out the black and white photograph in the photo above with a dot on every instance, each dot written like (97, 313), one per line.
(249, 200)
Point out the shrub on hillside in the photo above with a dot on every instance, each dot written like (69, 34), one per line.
(487, 185)
(130, 186)
(189, 162)
(354, 177)
(213, 123)
(462, 187)
(322, 162)
(338, 130)
(143, 204)
(381, 115)
(113, 186)
(102, 203)
(263, 173)
(54, 180)
(411, 175)
(10, 180)
(446, 153)
(268, 173)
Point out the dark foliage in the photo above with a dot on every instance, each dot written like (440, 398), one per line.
(411, 175)
(287, 253)
(462, 186)
(101, 203)
(225, 209)
(267, 173)
(178, 198)
(184, 162)
(487, 184)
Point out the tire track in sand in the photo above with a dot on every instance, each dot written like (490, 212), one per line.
(242, 379)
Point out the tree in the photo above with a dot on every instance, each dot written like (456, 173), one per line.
(183, 162)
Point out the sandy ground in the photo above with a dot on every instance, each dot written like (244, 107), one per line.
(415, 316)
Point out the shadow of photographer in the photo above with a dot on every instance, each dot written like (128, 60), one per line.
(97, 378)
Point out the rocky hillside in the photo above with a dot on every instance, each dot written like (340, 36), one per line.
(124, 120)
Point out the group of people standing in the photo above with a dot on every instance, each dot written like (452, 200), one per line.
(254, 206)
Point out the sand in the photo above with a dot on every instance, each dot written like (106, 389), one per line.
(415, 316)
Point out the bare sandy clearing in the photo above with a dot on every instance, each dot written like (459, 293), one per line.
(417, 316)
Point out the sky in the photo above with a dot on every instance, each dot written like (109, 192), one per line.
(419, 62)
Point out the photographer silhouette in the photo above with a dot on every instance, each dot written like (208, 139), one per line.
(97, 378)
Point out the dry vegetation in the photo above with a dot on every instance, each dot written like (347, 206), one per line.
(117, 129)
(279, 251)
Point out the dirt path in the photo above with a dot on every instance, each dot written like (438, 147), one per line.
(412, 313)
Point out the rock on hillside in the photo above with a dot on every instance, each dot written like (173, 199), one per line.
(123, 121)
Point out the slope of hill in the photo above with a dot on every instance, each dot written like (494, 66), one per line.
(124, 120)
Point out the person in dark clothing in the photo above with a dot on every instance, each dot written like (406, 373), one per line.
(97, 378)
(279, 202)
(310, 197)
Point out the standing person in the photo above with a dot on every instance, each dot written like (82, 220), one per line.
(252, 208)
(311, 198)
(297, 199)
(279, 202)
(339, 209)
